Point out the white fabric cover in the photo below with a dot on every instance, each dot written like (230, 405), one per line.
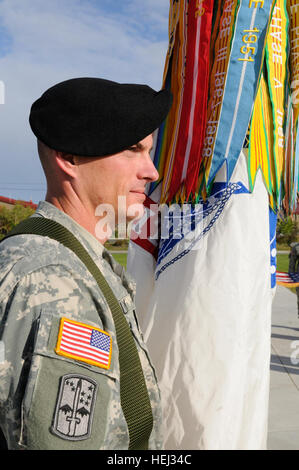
(207, 323)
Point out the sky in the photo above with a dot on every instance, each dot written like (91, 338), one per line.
(43, 42)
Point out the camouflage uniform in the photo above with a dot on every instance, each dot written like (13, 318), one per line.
(294, 266)
(41, 282)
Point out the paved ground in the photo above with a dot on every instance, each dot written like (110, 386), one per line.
(284, 388)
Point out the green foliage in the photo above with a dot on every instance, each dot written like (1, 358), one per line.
(11, 217)
(286, 231)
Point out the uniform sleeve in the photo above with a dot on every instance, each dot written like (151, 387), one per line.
(49, 398)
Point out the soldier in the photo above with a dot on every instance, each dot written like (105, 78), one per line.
(294, 266)
(74, 370)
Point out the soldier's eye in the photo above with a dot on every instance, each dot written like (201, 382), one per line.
(134, 148)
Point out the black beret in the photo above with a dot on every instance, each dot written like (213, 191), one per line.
(96, 117)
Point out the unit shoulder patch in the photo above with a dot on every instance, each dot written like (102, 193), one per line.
(74, 408)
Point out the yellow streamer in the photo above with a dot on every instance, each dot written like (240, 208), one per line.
(276, 60)
(260, 148)
(293, 9)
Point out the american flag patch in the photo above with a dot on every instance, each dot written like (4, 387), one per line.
(84, 343)
(287, 279)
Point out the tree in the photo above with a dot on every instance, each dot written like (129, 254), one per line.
(286, 230)
(9, 218)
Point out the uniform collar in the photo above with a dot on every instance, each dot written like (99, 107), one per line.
(90, 243)
(49, 211)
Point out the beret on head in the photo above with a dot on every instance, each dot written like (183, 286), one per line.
(95, 117)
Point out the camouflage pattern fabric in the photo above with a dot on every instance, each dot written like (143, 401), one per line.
(48, 401)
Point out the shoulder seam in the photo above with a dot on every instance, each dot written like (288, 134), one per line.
(23, 275)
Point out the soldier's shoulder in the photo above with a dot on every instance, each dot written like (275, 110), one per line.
(21, 255)
(31, 249)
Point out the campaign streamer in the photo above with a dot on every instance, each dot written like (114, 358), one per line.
(242, 80)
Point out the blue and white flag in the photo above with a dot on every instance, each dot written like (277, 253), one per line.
(204, 304)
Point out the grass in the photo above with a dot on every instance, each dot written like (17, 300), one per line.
(282, 262)
(121, 258)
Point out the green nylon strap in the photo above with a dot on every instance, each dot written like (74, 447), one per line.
(134, 396)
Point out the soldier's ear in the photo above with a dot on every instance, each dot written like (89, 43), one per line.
(66, 163)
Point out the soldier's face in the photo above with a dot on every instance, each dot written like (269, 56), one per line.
(119, 180)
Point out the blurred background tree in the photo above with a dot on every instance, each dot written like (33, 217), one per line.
(11, 217)
(286, 232)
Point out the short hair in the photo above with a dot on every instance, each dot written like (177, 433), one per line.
(45, 156)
